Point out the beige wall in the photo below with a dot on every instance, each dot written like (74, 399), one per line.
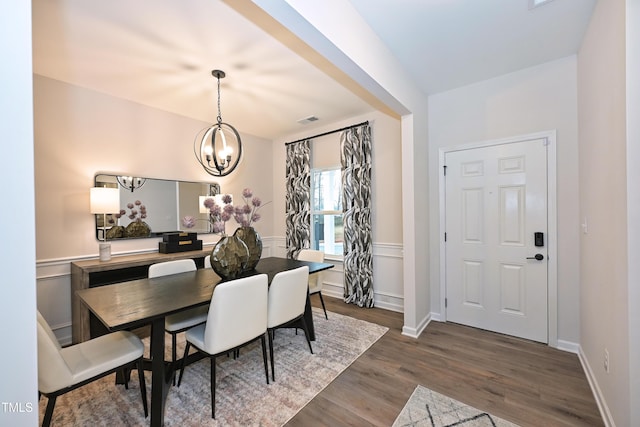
(79, 132)
(536, 99)
(386, 172)
(603, 202)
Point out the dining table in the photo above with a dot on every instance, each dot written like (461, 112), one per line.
(132, 304)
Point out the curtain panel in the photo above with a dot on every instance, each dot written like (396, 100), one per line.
(297, 202)
(355, 156)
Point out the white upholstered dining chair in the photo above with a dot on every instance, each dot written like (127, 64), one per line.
(237, 317)
(179, 322)
(61, 370)
(287, 299)
(315, 279)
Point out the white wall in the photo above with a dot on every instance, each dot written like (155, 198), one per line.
(604, 266)
(536, 99)
(79, 132)
(633, 200)
(386, 208)
(18, 394)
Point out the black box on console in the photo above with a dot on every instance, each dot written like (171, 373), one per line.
(179, 237)
(179, 246)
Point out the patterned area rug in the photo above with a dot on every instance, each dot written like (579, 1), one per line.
(426, 408)
(243, 397)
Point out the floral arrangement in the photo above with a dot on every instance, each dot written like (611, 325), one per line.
(138, 211)
(218, 215)
(136, 228)
(245, 215)
(248, 214)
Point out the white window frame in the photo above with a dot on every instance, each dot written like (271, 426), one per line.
(328, 225)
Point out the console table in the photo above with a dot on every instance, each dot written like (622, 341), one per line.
(91, 273)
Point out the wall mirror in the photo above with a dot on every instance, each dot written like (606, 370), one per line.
(165, 203)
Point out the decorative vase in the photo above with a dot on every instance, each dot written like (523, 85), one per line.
(229, 257)
(252, 239)
(116, 232)
(137, 229)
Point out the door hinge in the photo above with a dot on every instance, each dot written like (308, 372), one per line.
(445, 236)
(444, 168)
(445, 303)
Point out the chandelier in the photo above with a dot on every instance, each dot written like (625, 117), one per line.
(131, 182)
(218, 148)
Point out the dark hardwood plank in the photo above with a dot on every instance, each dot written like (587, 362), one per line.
(521, 381)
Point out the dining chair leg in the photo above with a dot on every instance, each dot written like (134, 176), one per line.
(264, 357)
(184, 360)
(213, 387)
(48, 414)
(143, 387)
(173, 358)
(306, 333)
(323, 307)
(270, 333)
(125, 375)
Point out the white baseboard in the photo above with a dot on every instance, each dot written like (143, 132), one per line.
(436, 317)
(568, 346)
(595, 389)
(63, 333)
(415, 332)
(385, 302)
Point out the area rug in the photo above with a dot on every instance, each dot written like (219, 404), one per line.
(426, 408)
(243, 397)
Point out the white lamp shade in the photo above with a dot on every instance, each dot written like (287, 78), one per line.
(104, 200)
(203, 208)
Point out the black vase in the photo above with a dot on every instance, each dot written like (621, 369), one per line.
(229, 257)
(252, 239)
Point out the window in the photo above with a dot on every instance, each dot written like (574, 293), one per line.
(327, 231)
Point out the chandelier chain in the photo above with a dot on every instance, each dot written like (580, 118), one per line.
(219, 111)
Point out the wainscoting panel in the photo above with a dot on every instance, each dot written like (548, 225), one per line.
(53, 296)
(53, 282)
(387, 275)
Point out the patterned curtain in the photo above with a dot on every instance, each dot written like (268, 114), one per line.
(355, 155)
(298, 197)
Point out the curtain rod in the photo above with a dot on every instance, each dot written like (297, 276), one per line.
(328, 133)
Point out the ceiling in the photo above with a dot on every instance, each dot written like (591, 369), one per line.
(160, 53)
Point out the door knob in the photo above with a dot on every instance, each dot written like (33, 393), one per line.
(539, 257)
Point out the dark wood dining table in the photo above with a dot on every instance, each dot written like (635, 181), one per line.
(137, 303)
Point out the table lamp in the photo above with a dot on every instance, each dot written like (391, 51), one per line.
(104, 201)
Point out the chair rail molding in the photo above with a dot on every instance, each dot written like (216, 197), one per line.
(53, 281)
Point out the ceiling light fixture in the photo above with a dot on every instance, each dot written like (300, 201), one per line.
(131, 182)
(218, 148)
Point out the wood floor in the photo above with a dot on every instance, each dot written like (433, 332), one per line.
(527, 383)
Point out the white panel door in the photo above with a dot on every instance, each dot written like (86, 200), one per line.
(495, 200)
